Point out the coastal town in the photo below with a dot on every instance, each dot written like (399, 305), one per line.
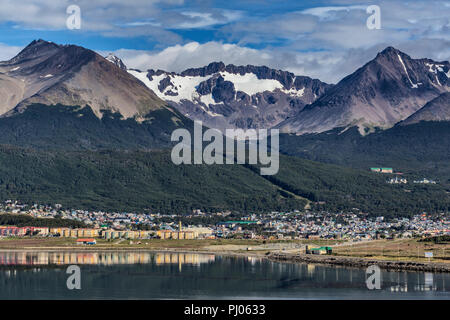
(306, 224)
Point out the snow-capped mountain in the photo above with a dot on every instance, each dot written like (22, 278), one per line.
(229, 96)
(117, 61)
(386, 90)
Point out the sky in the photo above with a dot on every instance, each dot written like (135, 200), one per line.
(321, 39)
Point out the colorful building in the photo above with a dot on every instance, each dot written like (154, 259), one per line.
(87, 241)
(176, 235)
(382, 170)
(125, 234)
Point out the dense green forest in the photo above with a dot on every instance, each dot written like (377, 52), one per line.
(62, 127)
(422, 149)
(139, 181)
(337, 188)
(25, 221)
(132, 181)
(63, 154)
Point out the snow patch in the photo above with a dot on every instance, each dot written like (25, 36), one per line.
(250, 84)
(437, 79)
(435, 68)
(207, 99)
(185, 87)
(294, 92)
(413, 85)
(153, 85)
(430, 67)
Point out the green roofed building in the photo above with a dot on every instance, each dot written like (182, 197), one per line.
(320, 250)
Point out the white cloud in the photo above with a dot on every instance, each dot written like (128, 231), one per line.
(329, 12)
(197, 20)
(8, 52)
(323, 42)
(110, 16)
(180, 57)
(344, 27)
(326, 66)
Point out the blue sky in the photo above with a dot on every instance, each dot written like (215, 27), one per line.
(322, 39)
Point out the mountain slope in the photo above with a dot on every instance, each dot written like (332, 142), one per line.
(47, 73)
(139, 181)
(229, 96)
(133, 181)
(60, 127)
(386, 90)
(419, 149)
(68, 97)
(437, 109)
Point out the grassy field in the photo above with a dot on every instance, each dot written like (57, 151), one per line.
(24, 243)
(401, 249)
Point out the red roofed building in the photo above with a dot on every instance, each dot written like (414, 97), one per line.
(89, 241)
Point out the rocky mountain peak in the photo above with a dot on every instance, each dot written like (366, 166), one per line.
(116, 60)
(213, 67)
(44, 72)
(389, 51)
(381, 93)
(35, 49)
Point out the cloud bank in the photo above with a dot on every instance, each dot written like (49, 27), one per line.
(327, 41)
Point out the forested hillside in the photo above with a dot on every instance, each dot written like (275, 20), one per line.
(139, 181)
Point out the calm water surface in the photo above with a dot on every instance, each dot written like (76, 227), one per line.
(147, 275)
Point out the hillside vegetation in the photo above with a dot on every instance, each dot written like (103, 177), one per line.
(419, 150)
(140, 180)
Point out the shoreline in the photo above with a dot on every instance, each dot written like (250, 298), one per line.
(362, 263)
(342, 261)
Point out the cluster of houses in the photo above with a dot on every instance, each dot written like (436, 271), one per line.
(297, 224)
(11, 231)
(425, 181)
(325, 225)
(397, 180)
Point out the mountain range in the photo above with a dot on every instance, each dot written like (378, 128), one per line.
(385, 91)
(389, 89)
(99, 103)
(82, 129)
(229, 96)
